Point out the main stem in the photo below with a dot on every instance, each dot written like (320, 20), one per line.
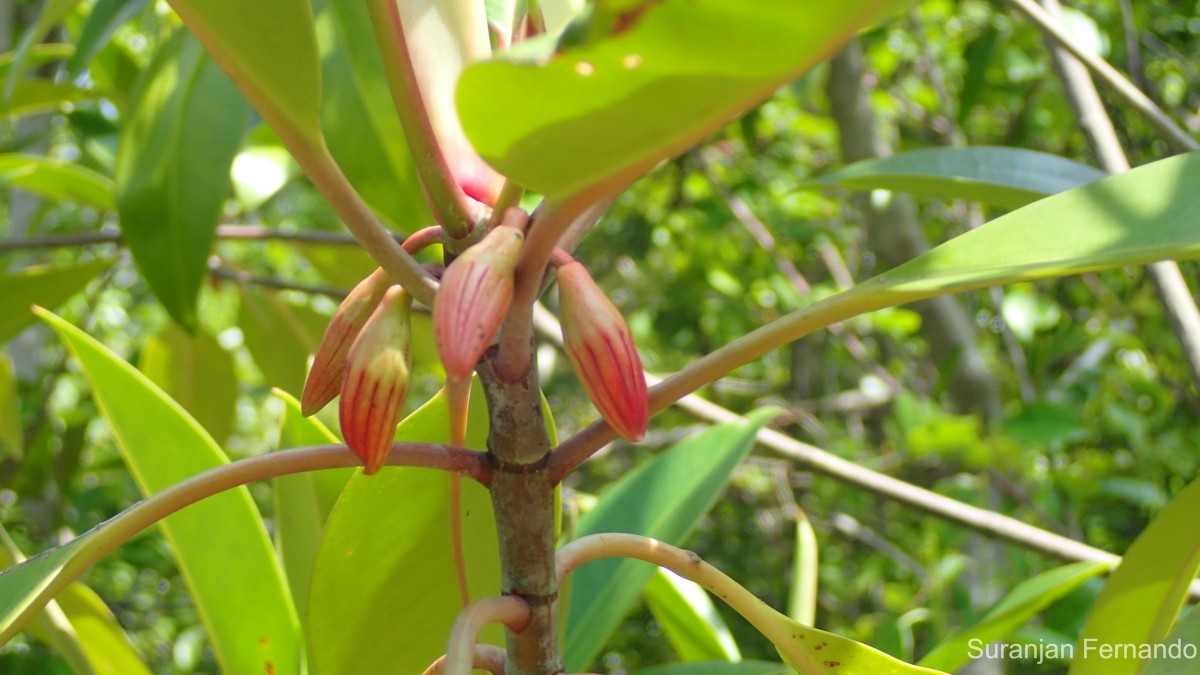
(523, 501)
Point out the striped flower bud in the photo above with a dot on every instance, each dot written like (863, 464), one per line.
(601, 350)
(476, 291)
(329, 366)
(377, 375)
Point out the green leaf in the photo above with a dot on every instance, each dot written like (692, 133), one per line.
(53, 12)
(1187, 632)
(36, 95)
(608, 111)
(172, 171)
(57, 179)
(1144, 594)
(303, 501)
(816, 652)
(197, 373)
(280, 336)
(48, 286)
(12, 444)
(688, 619)
(361, 126)
(386, 562)
(1007, 177)
(162, 446)
(104, 20)
(802, 601)
(740, 668)
(664, 499)
(269, 48)
(1024, 602)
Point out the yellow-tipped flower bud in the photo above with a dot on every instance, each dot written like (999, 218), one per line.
(600, 348)
(377, 377)
(329, 366)
(476, 291)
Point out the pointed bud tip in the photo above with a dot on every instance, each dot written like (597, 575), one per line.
(329, 363)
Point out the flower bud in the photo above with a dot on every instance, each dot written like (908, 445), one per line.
(601, 350)
(476, 291)
(377, 376)
(329, 365)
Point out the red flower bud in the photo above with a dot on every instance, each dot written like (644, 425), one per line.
(601, 350)
(377, 375)
(476, 291)
(325, 378)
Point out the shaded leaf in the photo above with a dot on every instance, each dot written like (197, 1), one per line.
(664, 499)
(47, 286)
(12, 444)
(1025, 601)
(1186, 632)
(280, 336)
(172, 171)
(51, 14)
(609, 110)
(688, 619)
(36, 95)
(57, 179)
(197, 373)
(1007, 177)
(104, 19)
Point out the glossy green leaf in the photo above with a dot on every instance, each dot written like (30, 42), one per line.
(162, 446)
(386, 562)
(172, 171)
(280, 336)
(47, 286)
(197, 373)
(1145, 593)
(802, 599)
(664, 499)
(816, 652)
(1025, 601)
(688, 619)
(26, 588)
(609, 110)
(104, 19)
(1186, 632)
(303, 501)
(740, 668)
(57, 179)
(1007, 177)
(360, 121)
(270, 49)
(12, 444)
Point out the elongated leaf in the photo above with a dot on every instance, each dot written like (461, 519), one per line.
(197, 373)
(12, 444)
(1143, 596)
(106, 16)
(303, 501)
(46, 286)
(270, 49)
(363, 131)
(172, 170)
(161, 446)
(688, 619)
(1178, 662)
(802, 601)
(280, 336)
(36, 95)
(610, 109)
(57, 179)
(663, 499)
(740, 668)
(816, 652)
(1008, 177)
(1024, 602)
(51, 15)
(386, 562)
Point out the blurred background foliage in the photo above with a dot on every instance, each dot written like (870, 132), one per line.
(1093, 423)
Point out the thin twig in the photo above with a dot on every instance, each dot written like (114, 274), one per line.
(220, 270)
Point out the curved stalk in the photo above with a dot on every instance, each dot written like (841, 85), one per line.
(509, 610)
(106, 537)
(487, 657)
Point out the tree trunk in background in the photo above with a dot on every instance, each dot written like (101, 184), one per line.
(895, 236)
